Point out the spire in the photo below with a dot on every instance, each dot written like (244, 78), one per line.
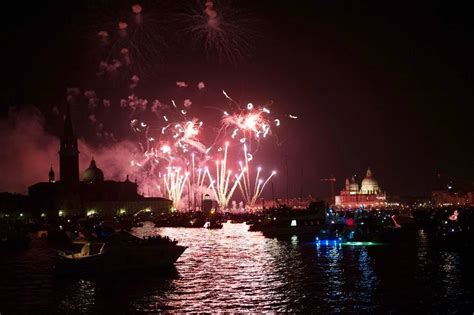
(369, 172)
(68, 152)
(92, 165)
(51, 175)
(68, 130)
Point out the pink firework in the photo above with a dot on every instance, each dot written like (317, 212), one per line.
(220, 27)
(130, 35)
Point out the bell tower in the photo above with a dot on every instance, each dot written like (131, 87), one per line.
(68, 152)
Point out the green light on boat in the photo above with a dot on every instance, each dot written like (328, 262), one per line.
(361, 243)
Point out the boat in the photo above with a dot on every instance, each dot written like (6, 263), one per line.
(283, 222)
(186, 220)
(307, 225)
(364, 231)
(119, 252)
(213, 224)
(407, 222)
(237, 221)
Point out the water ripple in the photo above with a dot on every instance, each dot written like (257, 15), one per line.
(240, 271)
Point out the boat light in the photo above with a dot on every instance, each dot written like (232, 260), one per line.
(362, 243)
(328, 242)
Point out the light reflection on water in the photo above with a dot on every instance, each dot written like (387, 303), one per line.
(235, 270)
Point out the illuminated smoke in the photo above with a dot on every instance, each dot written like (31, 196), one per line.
(122, 26)
(135, 79)
(155, 107)
(92, 119)
(187, 103)
(103, 36)
(126, 56)
(211, 15)
(32, 150)
(136, 8)
(181, 84)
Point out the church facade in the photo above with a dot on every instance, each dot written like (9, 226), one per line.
(91, 194)
(368, 195)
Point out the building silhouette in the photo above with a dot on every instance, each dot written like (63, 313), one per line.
(91, 194)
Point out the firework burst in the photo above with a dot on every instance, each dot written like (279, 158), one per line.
(220, 28)
(130, 37)
(248, 123)
(176, 151)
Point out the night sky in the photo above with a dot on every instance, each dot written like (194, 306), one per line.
(373, 84)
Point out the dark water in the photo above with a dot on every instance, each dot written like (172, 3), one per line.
(236, 270)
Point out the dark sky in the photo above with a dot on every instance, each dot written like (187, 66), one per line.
(375, 84)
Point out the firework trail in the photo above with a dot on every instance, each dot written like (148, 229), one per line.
(221, 185)
(251, 195)
(174, 182)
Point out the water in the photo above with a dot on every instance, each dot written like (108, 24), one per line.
(236, 270)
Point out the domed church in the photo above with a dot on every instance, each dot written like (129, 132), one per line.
(368, 195)
(93, 174)
(94, 194)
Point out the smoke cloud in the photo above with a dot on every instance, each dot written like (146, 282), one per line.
(28, 151)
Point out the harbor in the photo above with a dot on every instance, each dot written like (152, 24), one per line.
(232, 269)
(222, 156)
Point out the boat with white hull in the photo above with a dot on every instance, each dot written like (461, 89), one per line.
(120, 252)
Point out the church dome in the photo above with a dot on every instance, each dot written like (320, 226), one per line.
(369, 185)
(93, 174)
